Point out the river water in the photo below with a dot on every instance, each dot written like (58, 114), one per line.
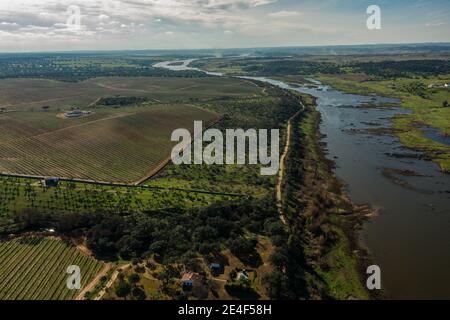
(410, 238)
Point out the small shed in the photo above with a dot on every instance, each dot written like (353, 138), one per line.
(216, 268)
(50, 182)
(243, 275)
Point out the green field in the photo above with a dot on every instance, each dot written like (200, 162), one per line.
(17, 194)
(35, 268)
(270, 111)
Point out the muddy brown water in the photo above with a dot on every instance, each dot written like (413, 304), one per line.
(410, 239)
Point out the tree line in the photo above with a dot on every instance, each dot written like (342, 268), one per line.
(52, 68)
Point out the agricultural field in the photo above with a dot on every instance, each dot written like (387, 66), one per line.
(33, 94)
(262, 112)
(173, 89)
(18, 194)
(114, 143)
(116, 146)
(35, 268)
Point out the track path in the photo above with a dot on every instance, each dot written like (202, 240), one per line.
(91, 285)
(281, 172)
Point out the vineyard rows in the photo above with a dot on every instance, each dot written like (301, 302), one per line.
(123, 148)
(35, 268)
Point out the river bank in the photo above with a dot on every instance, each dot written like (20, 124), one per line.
(317, 206)
(408, 238)
(426, 127)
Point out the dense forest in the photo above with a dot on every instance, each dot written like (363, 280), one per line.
(303, 66)
(78, 68)
(396, 69)
(287, 67)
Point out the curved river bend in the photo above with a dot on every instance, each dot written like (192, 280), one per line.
(410, 239)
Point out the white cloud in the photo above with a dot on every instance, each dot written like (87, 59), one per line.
(45, 18)
(11, 24)
(257, 3)
(434, 24)
(234, 3)
(42, 25)
(285, 14)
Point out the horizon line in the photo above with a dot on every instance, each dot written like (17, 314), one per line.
(230, 48)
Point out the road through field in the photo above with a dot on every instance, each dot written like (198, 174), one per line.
(279, 192)
(94, 281)
(279, 187)
(112, 281)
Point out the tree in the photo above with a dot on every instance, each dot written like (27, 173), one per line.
(134, 278)
(32, 219)
(280, 258)
(103, 237)
(138, 294)
(245, 250)
(123, 289)
(278, 286)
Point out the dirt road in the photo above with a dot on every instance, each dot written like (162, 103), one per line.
(94, 282)
(279, 188)
(111, 281)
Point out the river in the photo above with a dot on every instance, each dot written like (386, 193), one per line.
(410, 238)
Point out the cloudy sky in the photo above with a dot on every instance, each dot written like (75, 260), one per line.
(47, 25)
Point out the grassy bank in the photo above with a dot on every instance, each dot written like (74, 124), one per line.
(425, 102)
(322, 216)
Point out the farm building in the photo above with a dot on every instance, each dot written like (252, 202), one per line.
(216, 268)
(189, 279)
(76, 114)
(50, 182)
(438, 86)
